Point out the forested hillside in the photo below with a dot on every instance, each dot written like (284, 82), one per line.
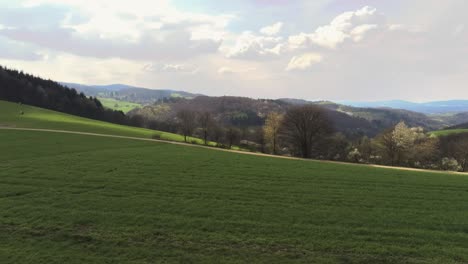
(245, 112)
(17, 86)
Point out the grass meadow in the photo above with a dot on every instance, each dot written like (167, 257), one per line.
(447, 132)
(83, 199)
(35, 117)
(118, 105)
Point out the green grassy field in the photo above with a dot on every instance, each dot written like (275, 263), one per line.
(35, 117)
(447, 132)
(118, 105)
(84, 199)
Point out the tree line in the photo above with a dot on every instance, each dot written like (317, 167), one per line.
(303, 131)
(307, 132)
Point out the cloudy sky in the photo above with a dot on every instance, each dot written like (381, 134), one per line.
(312, 49)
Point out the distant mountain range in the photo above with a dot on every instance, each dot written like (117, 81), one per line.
(128, 93)
(436, 107)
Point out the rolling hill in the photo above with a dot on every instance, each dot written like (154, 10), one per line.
(85, 199)
(118, 104)
(385, 117)
(458, 129)
(247, 112)
(34, 117)
(446, 132)
(435, 107)
(363, 118)
(82, 198)
(128, 93)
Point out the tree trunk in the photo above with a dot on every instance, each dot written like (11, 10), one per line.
(464, 164)
(274, 144)
(305, 151)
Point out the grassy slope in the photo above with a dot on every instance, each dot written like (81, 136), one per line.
(118, 105)
(35, 117)
(448, 132)
(75, 199)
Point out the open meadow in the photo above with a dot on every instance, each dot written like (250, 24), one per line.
(76, 198)
(253, 131)
(447, 132)
(35, 117)
(114, 104)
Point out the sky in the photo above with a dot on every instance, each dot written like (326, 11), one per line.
(359, 50)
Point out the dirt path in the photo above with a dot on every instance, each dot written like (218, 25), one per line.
(220, 149)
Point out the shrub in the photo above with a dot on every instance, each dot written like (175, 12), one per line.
(450, 164)
(354, 155)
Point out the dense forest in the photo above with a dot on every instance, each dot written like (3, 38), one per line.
(20, 87)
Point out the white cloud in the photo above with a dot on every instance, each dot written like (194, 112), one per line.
(300, 40)
(170, 68)
(251, 46)
(353, 24)
(272, 30)
(304, 61)
(218, 49)
(359, 32)
(156, 31)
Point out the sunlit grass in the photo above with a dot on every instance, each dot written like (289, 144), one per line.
(34, 117)
(114, 104)
(448, 132)
(82, 199)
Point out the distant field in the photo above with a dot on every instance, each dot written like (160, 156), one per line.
(35, 117)
(448, 132)
(84, 199)
(118, 105)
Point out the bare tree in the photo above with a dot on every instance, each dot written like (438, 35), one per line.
(187, 122)
(460, 152)
(206, 121)
(271, 130)
(232, 135)
(259, 137)
(217, 133)
(427, 152)
(304, 127)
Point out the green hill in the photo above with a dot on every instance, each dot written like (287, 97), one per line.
(447, 132)
(34, 117)
(85, 199)
(119, 105)
(453, 130)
